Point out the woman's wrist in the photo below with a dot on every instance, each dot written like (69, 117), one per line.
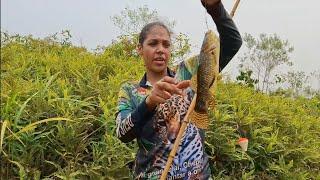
(150, 106)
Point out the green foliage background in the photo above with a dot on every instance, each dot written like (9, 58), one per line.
(57, 118)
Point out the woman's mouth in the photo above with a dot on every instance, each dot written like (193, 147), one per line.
(159, 61)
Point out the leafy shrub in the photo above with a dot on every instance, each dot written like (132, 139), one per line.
(57, 118)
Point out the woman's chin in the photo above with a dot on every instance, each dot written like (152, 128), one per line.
(159, 69)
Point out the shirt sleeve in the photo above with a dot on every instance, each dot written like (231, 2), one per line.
(230, 42)
(130, 118)
(230, 38)
(186, 69)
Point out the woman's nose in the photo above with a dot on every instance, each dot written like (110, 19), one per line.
(160, 49)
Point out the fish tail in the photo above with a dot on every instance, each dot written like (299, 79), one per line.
(201, 120)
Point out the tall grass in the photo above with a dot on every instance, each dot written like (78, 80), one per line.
(57, 119)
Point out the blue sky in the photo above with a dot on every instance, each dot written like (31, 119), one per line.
(90, 24)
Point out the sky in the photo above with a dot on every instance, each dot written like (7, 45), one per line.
(90, 23)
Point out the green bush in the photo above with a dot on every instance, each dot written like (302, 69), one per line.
(57, 119)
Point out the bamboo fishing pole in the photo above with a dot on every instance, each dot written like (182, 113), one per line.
(186, 121)
(176, 144)
(235, 6)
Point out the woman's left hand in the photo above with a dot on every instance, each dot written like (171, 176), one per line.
(206, 3)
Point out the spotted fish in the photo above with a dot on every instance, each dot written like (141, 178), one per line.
(204, 82)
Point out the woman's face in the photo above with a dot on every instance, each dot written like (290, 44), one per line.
(155, 49)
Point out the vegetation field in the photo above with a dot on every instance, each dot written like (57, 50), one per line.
(57, 118)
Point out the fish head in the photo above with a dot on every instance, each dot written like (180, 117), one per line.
(211, 47)
(210, 40)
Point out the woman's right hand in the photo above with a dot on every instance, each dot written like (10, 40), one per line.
(163, 90)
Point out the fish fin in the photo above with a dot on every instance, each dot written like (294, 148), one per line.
(194, 83)
(211, 101)
(219, 77)
(213, 87)
(201, 120)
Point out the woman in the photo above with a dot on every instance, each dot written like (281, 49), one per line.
(150, 111)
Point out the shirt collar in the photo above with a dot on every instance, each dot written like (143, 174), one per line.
(144, 83)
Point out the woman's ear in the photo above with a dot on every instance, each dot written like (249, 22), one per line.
(139, 49)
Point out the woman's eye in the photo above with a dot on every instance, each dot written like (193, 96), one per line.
(167, 45)
(153, 43)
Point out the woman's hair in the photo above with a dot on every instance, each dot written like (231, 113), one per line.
(145, 30)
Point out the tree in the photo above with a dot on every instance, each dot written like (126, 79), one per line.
(263, 56)
(297, 80)
(246, 79)
(131, 21)
(316, 75)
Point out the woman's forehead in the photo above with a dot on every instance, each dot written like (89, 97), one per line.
(158, 32)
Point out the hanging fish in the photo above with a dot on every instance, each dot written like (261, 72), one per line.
(207, 75)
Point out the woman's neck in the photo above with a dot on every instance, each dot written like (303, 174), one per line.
(154, 77)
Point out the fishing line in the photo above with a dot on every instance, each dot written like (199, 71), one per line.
(206, 20)
(205, 16)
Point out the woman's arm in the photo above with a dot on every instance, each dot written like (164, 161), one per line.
(130, 119)
(230, 39)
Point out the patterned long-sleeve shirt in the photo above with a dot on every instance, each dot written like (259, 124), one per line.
(156, 131)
